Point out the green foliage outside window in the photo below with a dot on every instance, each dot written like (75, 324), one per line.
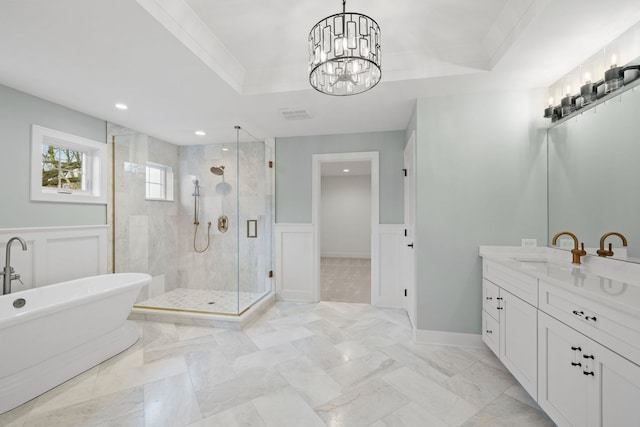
(62, 168)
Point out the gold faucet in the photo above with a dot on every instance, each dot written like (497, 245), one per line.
(577, 253)
(605, 253)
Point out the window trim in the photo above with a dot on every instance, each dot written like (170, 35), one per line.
(95, 173)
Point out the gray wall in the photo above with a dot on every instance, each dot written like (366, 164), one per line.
(18, 111)
(346, 216)
(481, 180)
(293, 171)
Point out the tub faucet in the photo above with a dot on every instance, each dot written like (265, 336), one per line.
(577, 253)
(605, 253)
(9, 273)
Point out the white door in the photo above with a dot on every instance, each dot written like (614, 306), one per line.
(409, 225)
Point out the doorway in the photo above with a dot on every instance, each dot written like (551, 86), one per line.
(345, 219)
(345, 232)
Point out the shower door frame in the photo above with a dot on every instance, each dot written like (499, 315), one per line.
(316, 175)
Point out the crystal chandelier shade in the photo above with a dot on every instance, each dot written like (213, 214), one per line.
(344, 54)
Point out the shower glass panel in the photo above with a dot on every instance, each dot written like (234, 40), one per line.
(254, 217)
(209, 249)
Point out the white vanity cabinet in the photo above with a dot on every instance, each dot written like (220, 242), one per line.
(581, 382)
(569, 336)
(510, 321)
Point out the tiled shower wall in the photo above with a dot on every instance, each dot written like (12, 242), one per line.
(146, 231)
(158, 237)
(232, 256)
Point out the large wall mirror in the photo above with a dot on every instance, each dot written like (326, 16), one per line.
(594, 175)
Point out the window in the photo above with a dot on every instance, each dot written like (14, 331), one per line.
(67, 168)
(159, 182)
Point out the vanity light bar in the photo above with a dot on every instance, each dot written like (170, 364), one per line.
(614, 78)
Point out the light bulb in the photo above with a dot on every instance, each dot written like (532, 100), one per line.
(568, 92)
(614, 60)
(550, 101)
(587, 77)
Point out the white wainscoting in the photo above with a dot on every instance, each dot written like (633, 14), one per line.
(295, 265)
(55, 254)
(390, 292)
(294, 262)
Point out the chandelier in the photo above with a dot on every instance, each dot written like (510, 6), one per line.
(344, 54)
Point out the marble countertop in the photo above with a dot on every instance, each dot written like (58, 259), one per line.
(610, 282)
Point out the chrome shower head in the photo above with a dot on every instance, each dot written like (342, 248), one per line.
(219, 170)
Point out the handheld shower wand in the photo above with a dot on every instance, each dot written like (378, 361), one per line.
(196, 222)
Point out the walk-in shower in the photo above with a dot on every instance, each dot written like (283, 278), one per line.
(230, 185)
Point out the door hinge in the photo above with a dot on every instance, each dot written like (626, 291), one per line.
(270, 273)
(271, 164)
(404, 171)
(405, 232)
(405, 292)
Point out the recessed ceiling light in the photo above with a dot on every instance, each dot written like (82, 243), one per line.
(225, 149)
(345, 170)
(200, 133)
(121, 106)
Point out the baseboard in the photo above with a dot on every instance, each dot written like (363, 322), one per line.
(358, 255)
(423, 336)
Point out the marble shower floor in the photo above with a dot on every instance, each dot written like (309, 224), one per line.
(345, 279)
(329, 363)
(201, 300)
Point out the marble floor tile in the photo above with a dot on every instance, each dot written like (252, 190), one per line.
(412, 415)
(366, 368)
(264, 359)
(507, 412)
(133, 419)
(416, 362)
(179, 348)
(121, 379)
(234, 344)
(242, 389)
(320, 351)
(519, 393)
(480, 383)
(92, 412)
(328, 331)
(17, 417)
(432, 397)
(282, 335)
(170, 402)
(363, 405)
(186, 332)
(299, 364)
(313, 384)
(284, 407)
(207, 368)
(76, 390)
(244, 415)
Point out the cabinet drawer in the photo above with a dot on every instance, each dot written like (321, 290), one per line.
(523, 286)
(490, 294)
(491, 332)
(614, 329)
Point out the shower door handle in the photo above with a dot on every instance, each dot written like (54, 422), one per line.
(410, 245)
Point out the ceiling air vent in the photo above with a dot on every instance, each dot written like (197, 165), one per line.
(295, 114)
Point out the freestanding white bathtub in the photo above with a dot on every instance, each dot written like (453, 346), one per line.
(63, 330)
